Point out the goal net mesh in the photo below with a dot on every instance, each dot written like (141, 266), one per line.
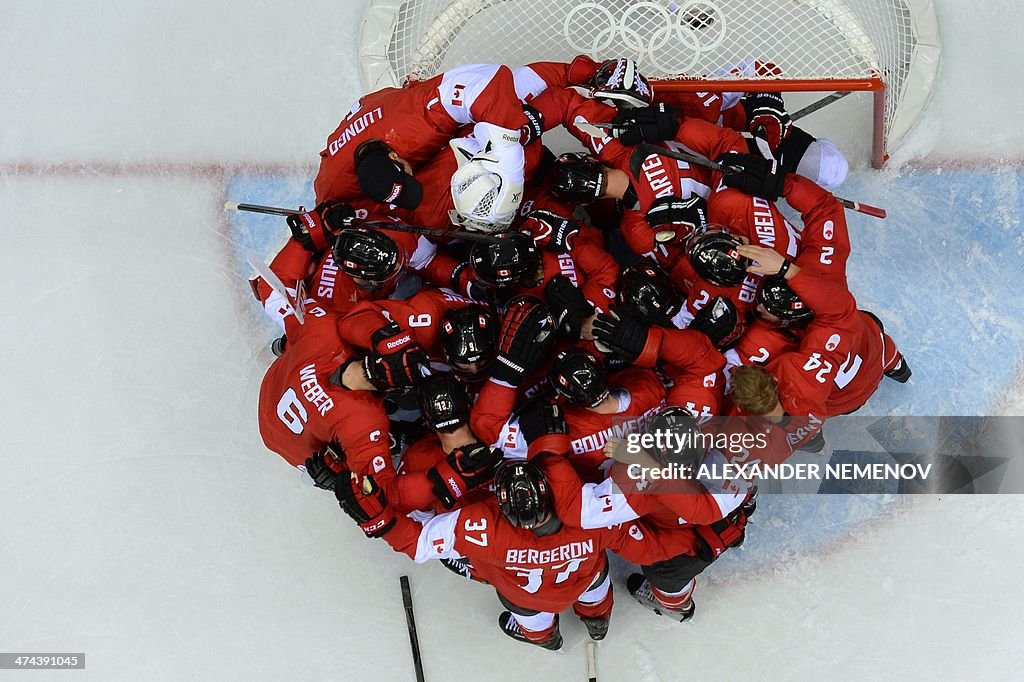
(808, 40)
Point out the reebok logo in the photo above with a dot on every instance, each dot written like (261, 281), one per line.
(391, 345)
(395, 192)
(454, 486)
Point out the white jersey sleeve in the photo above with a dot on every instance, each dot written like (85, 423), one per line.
(437, 538)
(602, 505)
(460, 87)
(528, 83)
(728, 494)
(511, 441)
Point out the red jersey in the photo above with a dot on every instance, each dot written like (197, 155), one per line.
(587, 265)
(759, 345)
(619, 499)
(417, 120)
(544, 573)
(840, 362)
(694, 369)
(300, 410)
(699, 292)
(825, 241)
(421, 314)
(638, 390)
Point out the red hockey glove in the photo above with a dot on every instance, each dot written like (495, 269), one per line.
(551, 231)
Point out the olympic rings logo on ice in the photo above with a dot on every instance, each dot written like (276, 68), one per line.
(687, 29)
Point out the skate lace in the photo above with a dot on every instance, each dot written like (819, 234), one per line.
(513, 626)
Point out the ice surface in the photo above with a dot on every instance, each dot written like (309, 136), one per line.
(145, 524)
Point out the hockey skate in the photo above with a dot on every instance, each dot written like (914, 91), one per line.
(278, 346)
(640, 588)
(815, 444)
(900, 371)
(510, 627)
(597, 628)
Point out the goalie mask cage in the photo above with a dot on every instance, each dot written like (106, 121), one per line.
(888, 47)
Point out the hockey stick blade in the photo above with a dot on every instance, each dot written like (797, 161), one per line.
(297, 303)
(410, 621)
(591, 662)
(866, 209)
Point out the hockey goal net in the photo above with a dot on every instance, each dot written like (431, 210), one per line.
(888, 47)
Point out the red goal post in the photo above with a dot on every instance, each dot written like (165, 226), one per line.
(888, 47)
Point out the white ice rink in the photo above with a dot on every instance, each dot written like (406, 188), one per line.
(143, 522)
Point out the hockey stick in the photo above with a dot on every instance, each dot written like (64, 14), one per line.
(597, 129)
(377, 224)
(649, 149)
(256, 208)
(591, 662)
(820, 104)
(410, 620)
(297, 303)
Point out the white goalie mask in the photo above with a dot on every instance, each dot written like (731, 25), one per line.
(487, 189)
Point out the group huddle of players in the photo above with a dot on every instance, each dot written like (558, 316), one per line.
(462, 349)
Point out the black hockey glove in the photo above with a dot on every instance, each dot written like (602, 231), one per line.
(717, 320)
(753, 175)
(551, 230)
(323, 467)
(365, 503)
(676, 219)
(396, 360)
(542, 419)
(622, 333)
(767, 118)
(464, 469)
(647, 124)
(527, 333)
(318, 229)
(568, 306)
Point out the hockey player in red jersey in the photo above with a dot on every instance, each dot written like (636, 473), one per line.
(516, 542)
(598, 406)
(320, 411)
(843, 353)
(406, 126)
(687, 356)
(714, 511)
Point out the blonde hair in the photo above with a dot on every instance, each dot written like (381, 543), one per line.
(754, 390)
